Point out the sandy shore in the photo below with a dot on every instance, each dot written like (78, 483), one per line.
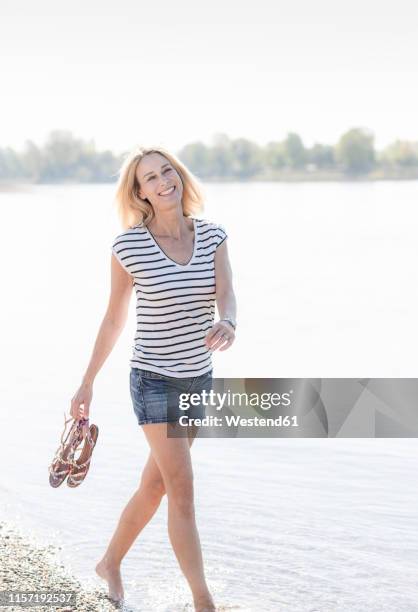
(26, 566)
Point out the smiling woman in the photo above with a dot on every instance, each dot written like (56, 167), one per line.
(135, 193)
(178, 264)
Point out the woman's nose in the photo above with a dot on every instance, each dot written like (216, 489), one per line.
(163, 186)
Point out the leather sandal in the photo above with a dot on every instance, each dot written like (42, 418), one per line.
(81, 465)
(62, 462)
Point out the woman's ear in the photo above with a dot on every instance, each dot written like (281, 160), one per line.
(144, 199)
(137, 190)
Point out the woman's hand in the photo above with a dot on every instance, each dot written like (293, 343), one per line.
(214, 338)
(80, 403)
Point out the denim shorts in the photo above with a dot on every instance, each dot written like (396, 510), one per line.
(156, 398)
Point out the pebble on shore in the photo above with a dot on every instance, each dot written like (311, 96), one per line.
(29, 567)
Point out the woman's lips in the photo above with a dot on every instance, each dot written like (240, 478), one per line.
(168, 194)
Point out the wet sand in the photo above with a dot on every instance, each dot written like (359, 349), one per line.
(26, 566)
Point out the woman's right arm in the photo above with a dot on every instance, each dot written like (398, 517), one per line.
(110, 329)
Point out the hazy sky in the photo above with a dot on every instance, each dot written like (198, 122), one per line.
(131, 72)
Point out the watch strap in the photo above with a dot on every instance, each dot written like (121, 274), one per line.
(231, 321)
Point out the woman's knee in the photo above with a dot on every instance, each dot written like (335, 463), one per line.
(153, 487)
(180, 492)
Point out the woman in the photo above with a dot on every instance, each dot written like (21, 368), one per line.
(179, 266)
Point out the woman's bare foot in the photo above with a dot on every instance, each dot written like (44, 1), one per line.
(204, 603)
(111, 573)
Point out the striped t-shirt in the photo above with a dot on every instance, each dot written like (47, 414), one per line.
(175, 304)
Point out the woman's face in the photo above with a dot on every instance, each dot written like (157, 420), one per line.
(156, 176)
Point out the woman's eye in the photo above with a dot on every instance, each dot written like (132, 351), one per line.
(166, 170)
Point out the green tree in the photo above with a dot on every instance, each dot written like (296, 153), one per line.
(355, 151)
(33, 161)
(72, 159)
(321, 155)
(196, 156)
(221, 158)
(62, 154)
(274, 155)
(294, 151)
(11, 165)
(246, 158)
(402, 153)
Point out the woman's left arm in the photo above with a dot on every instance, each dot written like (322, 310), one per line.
(225, 301)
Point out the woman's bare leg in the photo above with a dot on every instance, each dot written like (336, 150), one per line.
(135, 516)
(173, 458)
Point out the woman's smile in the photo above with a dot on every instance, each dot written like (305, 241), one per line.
(167, 192)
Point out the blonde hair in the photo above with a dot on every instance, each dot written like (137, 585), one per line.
(132, 210)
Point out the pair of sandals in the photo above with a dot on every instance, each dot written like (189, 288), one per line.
(64, 464)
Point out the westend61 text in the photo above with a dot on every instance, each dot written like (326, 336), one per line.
(236, 420)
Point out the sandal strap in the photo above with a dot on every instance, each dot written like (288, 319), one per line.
(76, 464)
(79, 431)
(82, 465)
(73, 477)
(58, 473)
(79, 471)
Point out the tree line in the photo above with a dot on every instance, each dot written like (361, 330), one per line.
(66, 158)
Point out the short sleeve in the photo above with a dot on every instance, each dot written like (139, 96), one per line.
(221, 234)
(117, 248)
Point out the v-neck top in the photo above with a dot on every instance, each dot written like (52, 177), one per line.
(175, 303)
(169, 258)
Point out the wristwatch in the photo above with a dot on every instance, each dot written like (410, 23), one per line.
(233, 323)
